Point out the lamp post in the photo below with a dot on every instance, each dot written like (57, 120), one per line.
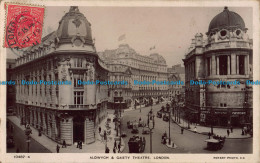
(28, 131)
(150, 119)
(169, 111)
(212, 118)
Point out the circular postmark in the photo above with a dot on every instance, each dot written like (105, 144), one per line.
(23, 30)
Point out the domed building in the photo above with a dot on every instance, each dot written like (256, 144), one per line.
(224, 55)
(65, 110)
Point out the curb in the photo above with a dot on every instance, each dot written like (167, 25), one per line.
(205, 134)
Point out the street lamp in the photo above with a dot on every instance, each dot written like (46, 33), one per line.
(28, 131)
(150, 119)
(169, 111)
(212, 119)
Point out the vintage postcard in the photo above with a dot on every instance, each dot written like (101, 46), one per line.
(129, 81)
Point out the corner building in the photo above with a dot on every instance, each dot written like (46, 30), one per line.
(225, 54)
(63, 112)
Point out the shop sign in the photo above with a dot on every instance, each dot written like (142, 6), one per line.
(239, 113)
(205, 112)
(221, 112)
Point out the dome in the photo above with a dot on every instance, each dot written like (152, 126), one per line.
(74, 24)
(226, 19)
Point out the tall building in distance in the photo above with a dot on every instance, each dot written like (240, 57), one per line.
(124, 63)
(224, 55)
(176, 73)
(69, 111)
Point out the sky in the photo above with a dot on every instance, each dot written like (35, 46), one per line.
(169, 29)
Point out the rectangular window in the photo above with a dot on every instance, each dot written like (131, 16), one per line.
(77, 62)
(241, 65)
(78, 98)
(208, 60)
(223, 65)
(78, 77)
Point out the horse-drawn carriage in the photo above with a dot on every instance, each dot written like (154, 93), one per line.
(146, 130)
(215, 144)
(159, 114)
(135, 129)
(129, 125)
(166, 117)
(136, 144)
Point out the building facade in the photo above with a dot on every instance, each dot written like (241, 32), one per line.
(225, 55)
(66, 110)
(177, 73)
(124, 63)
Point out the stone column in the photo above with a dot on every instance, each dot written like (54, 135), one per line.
(206, 67)
(246, 65)
(217, 65)
(228, 64)
(66, 130)
(38, 87)
(233, 64)
(34, 117)
(44, 122)
(53, 121)
(237, 64)
(30, 88)
(49, 121)
(213, 60)
(31, 117)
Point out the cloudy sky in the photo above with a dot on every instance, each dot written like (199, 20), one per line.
(170, 29)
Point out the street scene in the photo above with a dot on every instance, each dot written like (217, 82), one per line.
(146, 84)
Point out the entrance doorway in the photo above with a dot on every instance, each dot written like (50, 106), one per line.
(235, 121)
(78, 129)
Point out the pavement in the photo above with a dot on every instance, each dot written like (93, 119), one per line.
(188, 142)
(236, 134)
(97, 147)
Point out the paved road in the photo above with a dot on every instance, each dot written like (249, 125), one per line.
(189, 142)
(20, 142)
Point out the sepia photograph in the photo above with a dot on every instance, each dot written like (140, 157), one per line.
(133, 80)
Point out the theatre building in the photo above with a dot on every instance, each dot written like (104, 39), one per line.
(225, 54)
(70, 111)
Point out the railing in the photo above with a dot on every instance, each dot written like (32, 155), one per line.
(79, 106)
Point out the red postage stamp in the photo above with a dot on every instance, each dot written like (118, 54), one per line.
(23, 26)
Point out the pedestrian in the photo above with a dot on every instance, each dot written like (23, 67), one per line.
(115, 144)
(105, 135)
(107, 150)
(58, 148)
(119, 146)
(195, 129)
(209, 135)
(228, 132)
(231, 129)
(78, 144)
(99, 129)
(64, 145)
(242, 132)
(182, 130)
(114, 150)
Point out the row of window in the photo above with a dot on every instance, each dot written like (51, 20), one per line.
(224, 66)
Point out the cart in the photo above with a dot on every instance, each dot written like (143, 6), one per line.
(214, 144)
